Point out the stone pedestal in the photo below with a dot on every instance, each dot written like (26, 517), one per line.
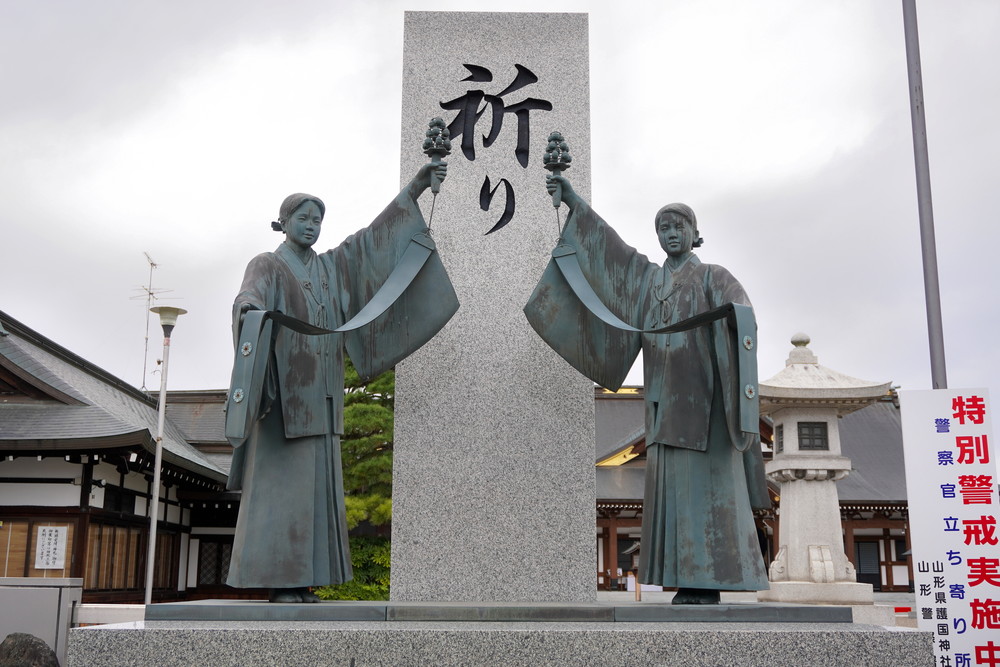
(493, 480)
(811, 565)
(503, 643)
(811, 592)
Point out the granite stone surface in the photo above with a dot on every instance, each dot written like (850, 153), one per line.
(485, 644)
(493, 496)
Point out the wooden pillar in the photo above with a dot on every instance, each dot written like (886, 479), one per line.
(909, 550)
(611, 558)
(86, 483)
(887, 546)
(849, 542)
(81, 535)
(776, 535)
(600, 551)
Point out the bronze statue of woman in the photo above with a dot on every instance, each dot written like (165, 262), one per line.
(704, 470)
(291, 533)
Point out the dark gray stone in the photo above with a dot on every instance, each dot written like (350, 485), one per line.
(501, 613)
(19, 649)
(259, 610)
(732, 613)
(397, 612)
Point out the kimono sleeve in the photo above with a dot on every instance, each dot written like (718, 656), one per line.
(243, 401)
(363, 263)
(617, 273)
(742, 411)
(736, 353)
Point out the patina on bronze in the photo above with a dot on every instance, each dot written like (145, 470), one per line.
(379, 295)
(597, 304)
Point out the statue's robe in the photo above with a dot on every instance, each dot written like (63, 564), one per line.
(704, 472)
(292, 531)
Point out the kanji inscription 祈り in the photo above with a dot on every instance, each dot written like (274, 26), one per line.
(471, 106)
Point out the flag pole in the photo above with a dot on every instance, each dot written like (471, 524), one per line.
(925, 209)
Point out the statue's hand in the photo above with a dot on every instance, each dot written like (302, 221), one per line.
(429, 173)
(558, 183)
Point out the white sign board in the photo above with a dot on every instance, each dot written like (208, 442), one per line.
(50, 548)
(951, 487)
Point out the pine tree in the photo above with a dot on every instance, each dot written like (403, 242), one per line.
(366, 447)
(366, 454)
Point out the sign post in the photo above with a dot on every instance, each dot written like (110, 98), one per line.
(952, 495)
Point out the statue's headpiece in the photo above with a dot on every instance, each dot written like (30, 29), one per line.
(291, 204)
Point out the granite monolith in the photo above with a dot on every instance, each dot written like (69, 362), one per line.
(493, 482)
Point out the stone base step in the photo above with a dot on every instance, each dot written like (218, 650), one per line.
(511, 644)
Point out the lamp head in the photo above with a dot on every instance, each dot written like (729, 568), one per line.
(168, 317)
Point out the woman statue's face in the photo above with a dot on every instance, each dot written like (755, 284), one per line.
(677, 234)
(303, 227)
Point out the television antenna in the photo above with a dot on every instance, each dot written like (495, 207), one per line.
(150, 295)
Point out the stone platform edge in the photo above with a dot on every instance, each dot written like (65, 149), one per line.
(245, 611)
(381, 644)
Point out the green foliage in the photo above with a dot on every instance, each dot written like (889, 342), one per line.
(366, 447)
(366, 455)
(373, 508)
(370, 559)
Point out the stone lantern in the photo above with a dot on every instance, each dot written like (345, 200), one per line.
(805, 402)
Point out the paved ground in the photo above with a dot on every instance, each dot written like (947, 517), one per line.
(887, 599)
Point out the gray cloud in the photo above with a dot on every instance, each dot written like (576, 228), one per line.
(176, 128)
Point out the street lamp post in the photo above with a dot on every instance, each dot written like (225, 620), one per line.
(168, 318)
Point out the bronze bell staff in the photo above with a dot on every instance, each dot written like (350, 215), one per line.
(437, 145)
(556, 160)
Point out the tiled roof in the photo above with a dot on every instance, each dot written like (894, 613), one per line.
(199, 414)
(42, 422)
(20, 357)
(620, 422)
(621, 482)
(92, 408)
(873, 439)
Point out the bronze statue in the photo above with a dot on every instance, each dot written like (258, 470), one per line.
(704, 472)
(286, 404)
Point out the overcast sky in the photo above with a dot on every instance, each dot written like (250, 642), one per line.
(176, 128)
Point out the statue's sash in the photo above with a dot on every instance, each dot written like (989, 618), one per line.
(257, 335)
(417, 252)
(741, 319)
(249, 369)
